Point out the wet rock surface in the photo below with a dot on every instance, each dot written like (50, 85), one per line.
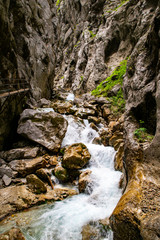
(76, 156)
(13, 234)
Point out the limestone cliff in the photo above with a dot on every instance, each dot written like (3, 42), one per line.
(75, 44)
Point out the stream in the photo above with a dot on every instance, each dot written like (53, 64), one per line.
(64, 220)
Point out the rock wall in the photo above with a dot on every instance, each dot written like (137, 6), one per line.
(75, 44)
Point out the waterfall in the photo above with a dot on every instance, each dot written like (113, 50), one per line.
(64, 220)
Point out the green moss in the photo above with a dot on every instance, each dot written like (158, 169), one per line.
(92, 34)
(117, 102)
(120, 5)
(115, 78)
(58, 2)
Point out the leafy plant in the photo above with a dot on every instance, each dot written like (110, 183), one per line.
(92, 34)
(141, 134)
(58, 2)
(116, 78)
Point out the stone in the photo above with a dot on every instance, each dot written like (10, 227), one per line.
(43, 174)
(19, 153)
(63, 107)
(7, 181)
(97, 140)
(75, 156)
(95, 230)
(53, 161)
(27, 166)
(61, 173)
(116, 137)
(44, 103)
(84, 112)
(18, 198)
(106, 113)
(2, 162)
(12, 234)
(93, 119)
(35, 184)
(84, 181)
(93, 126)
(45, 128)
(5, 170)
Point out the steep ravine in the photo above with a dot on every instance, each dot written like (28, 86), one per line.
(76, 44)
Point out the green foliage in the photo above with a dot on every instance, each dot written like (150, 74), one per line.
(141, 134)
(58, 2)
(81, 80)
(115, 78)
(120, 5)
(117, 102)
(92, 34)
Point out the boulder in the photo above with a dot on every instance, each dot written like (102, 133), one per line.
(19, 153)
(43, 174)
(45, 128)
(5, 170)
(35, 184)
(75, 156)
(7, 180)
(27, 166)
(18, 198)
(61, 173)
(106, 112)
(62, 107)
(84, 180)
(93, 119)
(97, 141)
(53, 161)
(12, 234)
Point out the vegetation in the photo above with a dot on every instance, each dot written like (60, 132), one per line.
(92, 34)
(141, 134)
(121, 3)
(58, 2)
(104, 88)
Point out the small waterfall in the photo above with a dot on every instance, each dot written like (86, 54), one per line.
(64, 220)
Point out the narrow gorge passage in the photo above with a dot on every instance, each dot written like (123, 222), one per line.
(65, 219)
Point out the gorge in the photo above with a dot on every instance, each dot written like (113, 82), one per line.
(72, 46)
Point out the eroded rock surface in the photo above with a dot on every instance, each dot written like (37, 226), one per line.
(45, 128)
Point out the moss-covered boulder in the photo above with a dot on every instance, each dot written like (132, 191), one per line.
(61, 173)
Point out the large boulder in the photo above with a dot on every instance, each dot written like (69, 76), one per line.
(75, 156)
(18, 198)
(45, 128)
(19, 153)
(27, 166)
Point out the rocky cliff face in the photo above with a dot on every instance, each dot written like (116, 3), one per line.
(75, 44)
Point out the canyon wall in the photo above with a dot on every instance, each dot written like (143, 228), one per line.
(75, 44)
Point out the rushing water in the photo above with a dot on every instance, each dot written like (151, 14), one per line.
(64, 220)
